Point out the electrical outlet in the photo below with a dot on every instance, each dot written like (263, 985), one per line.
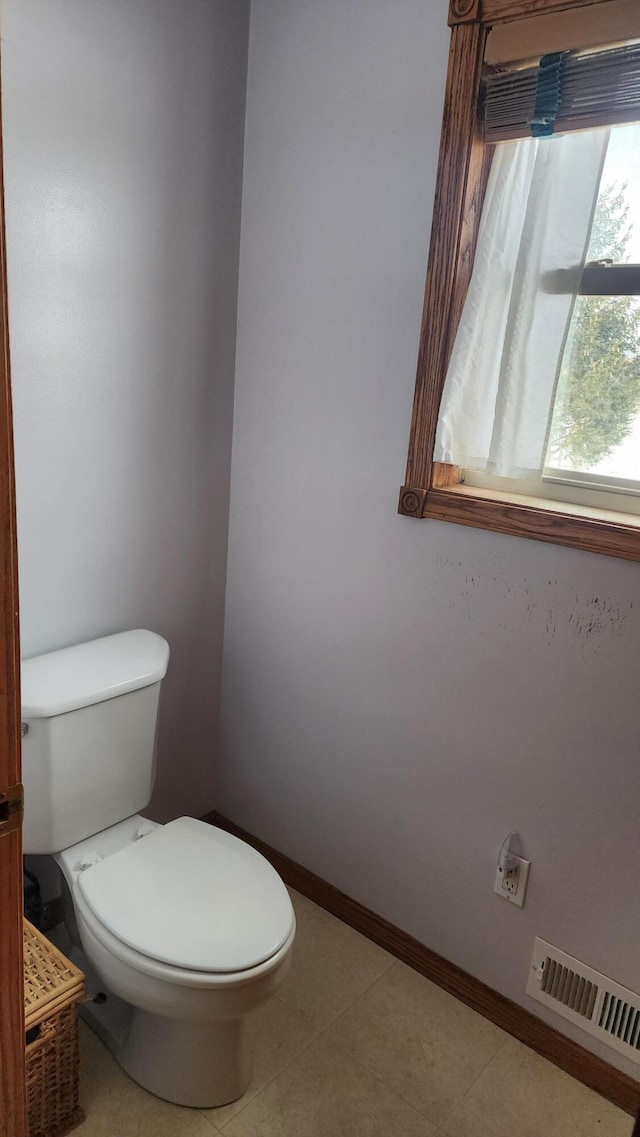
(511, 884)
(510, 878)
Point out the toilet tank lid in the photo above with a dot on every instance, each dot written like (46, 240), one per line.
(92, 672)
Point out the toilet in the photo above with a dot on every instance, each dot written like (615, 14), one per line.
(182, 930)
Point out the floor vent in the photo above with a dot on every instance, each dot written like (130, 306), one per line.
(601, 1007)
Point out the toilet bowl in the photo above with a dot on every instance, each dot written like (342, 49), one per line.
(189, 928)
(182, 929)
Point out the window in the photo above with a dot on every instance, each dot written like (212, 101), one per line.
(566, 468)
(543, 385)
(594, 435)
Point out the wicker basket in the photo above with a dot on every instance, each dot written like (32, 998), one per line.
(52, 987)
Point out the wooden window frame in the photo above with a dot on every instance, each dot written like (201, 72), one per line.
(434, 489)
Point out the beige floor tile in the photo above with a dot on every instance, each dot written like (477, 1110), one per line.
(521, 1093)
(398, 1054)
(332, 966)
(326, 1094)
(277, 1036)
(114, 1104)
(162, 1121)
(418, 1039)
(297, 899)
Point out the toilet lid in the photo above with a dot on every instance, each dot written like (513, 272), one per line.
(192, 896)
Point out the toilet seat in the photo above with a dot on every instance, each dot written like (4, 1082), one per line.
(155, 971)
(191, 897)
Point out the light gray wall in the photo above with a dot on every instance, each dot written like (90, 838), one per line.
(399, 695)
(123, 162)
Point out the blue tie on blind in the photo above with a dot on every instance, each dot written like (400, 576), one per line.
(548, 92)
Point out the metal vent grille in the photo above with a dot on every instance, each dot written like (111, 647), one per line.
(621, 1019)
(603, 1008)
(569, 987)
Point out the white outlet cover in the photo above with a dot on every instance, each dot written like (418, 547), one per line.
(517, 897)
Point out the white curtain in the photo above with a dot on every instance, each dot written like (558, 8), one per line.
(501, 381)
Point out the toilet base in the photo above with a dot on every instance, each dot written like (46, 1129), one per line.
(196, 1064)
(202, 1065)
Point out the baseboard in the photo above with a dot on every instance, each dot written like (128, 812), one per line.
(594, 1072)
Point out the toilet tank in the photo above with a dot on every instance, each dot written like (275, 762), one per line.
(88, 754)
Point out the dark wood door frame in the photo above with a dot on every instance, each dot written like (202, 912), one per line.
(12, 1058)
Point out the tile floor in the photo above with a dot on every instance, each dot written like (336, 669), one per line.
(358, 1045)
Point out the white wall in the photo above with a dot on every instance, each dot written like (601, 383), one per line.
(398, 695)
(123, 162)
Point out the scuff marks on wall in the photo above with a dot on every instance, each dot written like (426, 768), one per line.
(597, 614)
(491, 600)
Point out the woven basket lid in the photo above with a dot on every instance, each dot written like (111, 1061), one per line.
(51, 982)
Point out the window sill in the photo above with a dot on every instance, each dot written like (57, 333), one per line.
(577, 526)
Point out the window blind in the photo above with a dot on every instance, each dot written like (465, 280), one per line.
(562, 92)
